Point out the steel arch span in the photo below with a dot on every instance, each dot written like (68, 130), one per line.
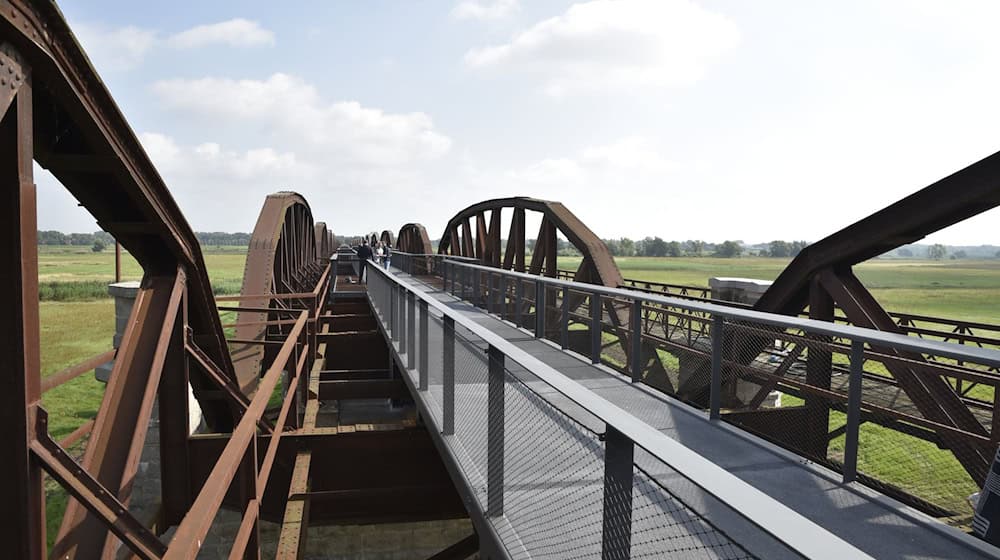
(326, 242)
(468, 235)
(281, 259)
(413, 239)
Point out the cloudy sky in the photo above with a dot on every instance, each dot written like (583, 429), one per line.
(715, 119)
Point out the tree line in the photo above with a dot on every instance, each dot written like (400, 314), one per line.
(659, 247)
(207, 238)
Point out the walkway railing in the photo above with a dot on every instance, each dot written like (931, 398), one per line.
(577, 485)
(876, 407)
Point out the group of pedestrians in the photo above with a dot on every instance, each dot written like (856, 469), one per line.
(382, 254)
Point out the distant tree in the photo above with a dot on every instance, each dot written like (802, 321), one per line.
(80, 239)
(779, 249)
(904, 252)
(729, 249)
(960, 254)
(673, 249)
(695, 247)
(936, 252)
(627, 247)
(655, 247)
(50, 237)
(997, 255)
(98, 246)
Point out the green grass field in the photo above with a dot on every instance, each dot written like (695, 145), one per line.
(964, 289)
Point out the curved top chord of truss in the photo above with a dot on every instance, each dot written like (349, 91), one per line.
(281, 259)
(325, 242)
(386, 238)
(480, 241)
(413, 239)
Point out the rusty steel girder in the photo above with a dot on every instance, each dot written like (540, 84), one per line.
(326, 242)
(386, 238)
(413, 239)
(480, 241)
(281, 259)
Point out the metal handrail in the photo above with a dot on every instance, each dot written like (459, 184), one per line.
(789, 527)
(985, 356)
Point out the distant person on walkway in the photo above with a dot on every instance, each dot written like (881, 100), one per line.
(386, 255)
(364, 253)
(379, 253)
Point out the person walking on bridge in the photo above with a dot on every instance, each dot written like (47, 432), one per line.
(364, 253)
(386, 255)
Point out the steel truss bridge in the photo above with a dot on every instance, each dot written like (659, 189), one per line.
(567, 413)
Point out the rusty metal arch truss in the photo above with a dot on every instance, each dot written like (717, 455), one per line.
(326, 242)
(468, 235)
(281, 261)
(413, 239)
(475, 232)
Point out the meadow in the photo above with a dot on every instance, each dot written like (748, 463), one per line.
(77, 316)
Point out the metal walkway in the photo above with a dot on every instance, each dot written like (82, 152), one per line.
(560, 487)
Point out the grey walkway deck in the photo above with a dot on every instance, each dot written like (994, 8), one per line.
(554, 471)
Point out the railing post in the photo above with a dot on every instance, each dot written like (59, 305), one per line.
(853, 411)
(636, 325)
(715, 394)
(424, 310)
(539, 309)
(411, 330)
(518, 300)
(616, 533)
(448, 374)
(445, 265)
(564, 326)
(495, 433)
(595, 328)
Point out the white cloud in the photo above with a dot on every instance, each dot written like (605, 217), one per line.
(124, 48)
(210, 160)
(615, 45)
(485, 9)
(115, 49)
(237, 32)
(292, 111)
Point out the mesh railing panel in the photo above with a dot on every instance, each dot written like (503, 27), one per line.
(553, 473)
(788, 386)
(664, 526)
